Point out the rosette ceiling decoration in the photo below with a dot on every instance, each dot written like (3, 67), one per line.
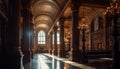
(45, 13)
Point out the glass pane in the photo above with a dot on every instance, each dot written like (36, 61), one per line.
(41, 37)
(58, 38)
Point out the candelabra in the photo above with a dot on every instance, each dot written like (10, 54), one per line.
(83, 26)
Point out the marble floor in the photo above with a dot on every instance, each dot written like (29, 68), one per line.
(47, 61)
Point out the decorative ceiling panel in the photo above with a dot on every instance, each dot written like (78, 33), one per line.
(41, 26)
(45, 7)
(43, 18)
(43, 22)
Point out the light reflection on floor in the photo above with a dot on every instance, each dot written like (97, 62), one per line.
(43, 61)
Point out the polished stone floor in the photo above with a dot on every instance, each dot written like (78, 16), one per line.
(47, 61)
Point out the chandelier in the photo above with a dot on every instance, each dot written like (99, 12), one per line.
(114, 8)
(83, 25)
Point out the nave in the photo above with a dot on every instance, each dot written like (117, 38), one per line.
(86, 30)
(47, 61)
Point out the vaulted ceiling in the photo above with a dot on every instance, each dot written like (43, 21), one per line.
(46, 12)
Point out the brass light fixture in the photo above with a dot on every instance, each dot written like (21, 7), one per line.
(83, 26)
(114, 8)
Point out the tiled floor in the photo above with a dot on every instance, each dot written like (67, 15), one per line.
(46, 61)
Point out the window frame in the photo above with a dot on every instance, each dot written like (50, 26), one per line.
(41, 37)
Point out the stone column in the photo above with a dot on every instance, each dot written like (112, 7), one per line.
(2, 38)
(26, 35)
(107, 37)
(31, 33)
(49, 44)
(115, 34)
(75, 32)
(31, 37)
(13, 54)
(2, 34)
(62, 44)
(52, 35)
(36, 41)
(55, 41)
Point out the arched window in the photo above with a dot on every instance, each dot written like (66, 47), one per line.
(41, 37)
(97, 24)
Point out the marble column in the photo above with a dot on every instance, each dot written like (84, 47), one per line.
(62, 44)
(55, 42)
(13, 54)
(26, 36)
(75, 53)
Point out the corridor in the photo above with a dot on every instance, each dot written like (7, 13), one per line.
(46, 61)
(75, 32)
